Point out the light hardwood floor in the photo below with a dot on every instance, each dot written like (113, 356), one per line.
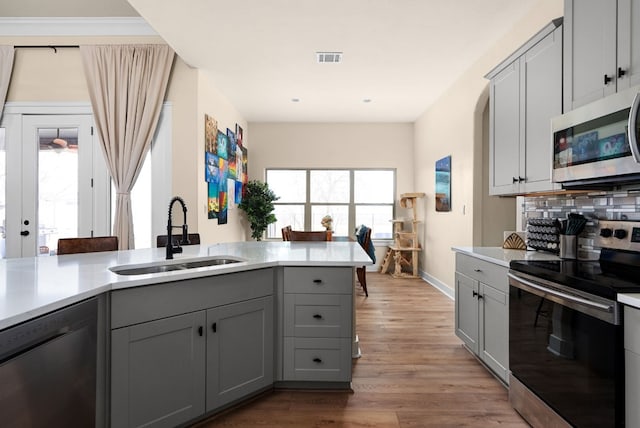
(413, 372)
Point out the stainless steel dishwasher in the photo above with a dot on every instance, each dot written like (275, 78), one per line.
(48, 369)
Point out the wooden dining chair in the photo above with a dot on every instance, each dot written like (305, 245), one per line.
(298, 235)
(285, 233)
(161, 240)
(87, 245)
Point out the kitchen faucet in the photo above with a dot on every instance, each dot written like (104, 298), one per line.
(171, 249)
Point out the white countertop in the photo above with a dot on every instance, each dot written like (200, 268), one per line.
(502, 256)
(30, 287)
(631, 299)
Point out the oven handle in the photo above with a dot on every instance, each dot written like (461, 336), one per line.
(569, 297)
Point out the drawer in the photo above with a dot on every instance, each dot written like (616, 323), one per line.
(632, 329)
(483, 271)
(317, 359)
(317, 315)
(318, 280)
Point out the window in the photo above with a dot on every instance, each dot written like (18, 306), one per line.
(350, 196)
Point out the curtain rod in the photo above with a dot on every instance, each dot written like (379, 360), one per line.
(54, 47)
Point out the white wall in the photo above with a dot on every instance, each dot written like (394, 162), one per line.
(453, 126)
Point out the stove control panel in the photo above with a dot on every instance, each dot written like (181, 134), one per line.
(620, 235)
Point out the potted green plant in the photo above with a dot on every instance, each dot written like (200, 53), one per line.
(257, 203)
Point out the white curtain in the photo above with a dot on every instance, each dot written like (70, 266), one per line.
(6, 65)
(126, 84)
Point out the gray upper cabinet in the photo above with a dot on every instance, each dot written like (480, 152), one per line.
(599, 56)
(525, 93)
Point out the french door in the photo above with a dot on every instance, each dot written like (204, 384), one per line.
(57, 185)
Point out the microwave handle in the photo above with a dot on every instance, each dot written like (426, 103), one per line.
(632, 128)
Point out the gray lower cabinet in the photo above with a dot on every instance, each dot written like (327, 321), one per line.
(481, 311)
(317, 324)
(239, 350)
(183, 349)
(158, 372)
(632, 365)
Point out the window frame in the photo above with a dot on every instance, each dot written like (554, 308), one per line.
(307, 204)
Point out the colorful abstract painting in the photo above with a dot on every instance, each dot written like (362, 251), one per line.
(212, 200)
(443, 184)
(222, 143)
(231, 153)
(210, 133)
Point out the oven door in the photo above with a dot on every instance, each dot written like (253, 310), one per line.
(568, 350)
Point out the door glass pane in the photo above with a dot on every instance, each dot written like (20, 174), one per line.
(3, 200)
(329, 186)
(57, 187)
(339, 214)
(371, 187)
(288, 185)
(377, 217)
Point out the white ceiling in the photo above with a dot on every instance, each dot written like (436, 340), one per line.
(400, 54)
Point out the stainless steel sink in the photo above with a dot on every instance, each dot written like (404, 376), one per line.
(169, 267)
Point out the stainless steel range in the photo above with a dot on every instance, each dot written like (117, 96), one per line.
(566, 341)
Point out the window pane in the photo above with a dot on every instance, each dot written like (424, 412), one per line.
(377, 217)
(286, 215)
(339, 214)
(329, 186)
(57, 187)
(288, 185)
(371, 187)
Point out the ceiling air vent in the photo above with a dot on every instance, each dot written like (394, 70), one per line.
(329, 57)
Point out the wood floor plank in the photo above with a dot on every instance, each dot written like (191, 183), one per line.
(414, 372)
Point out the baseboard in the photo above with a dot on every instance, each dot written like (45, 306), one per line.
(437, 284)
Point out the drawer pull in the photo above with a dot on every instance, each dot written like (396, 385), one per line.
(318, 316)
(477, 270)
(317, 360)
(200, 331)
(317, 281)
(214, 327)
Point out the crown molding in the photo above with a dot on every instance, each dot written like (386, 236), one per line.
(93, 26)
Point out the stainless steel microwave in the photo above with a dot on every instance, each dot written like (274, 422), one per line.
(597, 144)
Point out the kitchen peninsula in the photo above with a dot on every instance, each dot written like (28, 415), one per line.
(283, 316)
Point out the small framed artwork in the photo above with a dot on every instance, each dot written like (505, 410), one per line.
(443, 184)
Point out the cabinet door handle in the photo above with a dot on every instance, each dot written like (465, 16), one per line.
(621, 72)
(200, 331)
(318, 316)
(475, 293)
(607, 79)
(477, 270)
(521, 179)
(317, 360)
(214, 327)
(480, 296)
(515, 180)
(317, 281)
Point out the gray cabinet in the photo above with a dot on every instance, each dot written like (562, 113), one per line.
(185, 348)
(317, 324)
(239, 350)
(525, 93)
(158, 372)
(481, 311)
(632, 365)
(601, 56)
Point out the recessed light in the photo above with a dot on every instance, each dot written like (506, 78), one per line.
(366, 100)
(295, 100)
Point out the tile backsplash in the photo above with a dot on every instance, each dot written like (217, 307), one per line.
(615, 205)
